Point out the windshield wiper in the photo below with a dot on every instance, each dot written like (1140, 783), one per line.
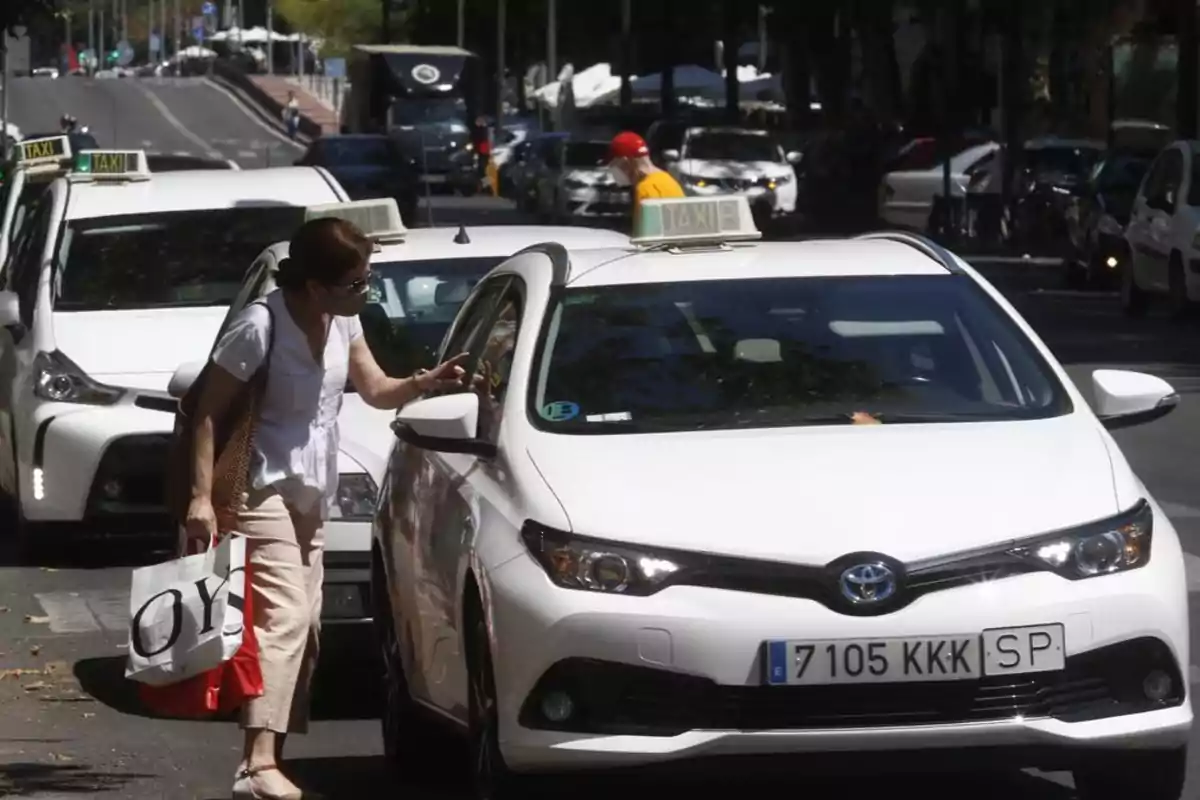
(901, 417)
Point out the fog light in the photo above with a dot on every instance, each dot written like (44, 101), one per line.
(557, 707)
(1157, 685)
(1112, 262)
(39, 484)
(112, 489)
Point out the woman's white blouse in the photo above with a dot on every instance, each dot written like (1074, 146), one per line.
(296, 442)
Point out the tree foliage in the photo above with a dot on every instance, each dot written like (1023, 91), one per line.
(23, 13)
(341, 23)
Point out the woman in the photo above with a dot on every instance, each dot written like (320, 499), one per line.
(291, 115)
(315, 343)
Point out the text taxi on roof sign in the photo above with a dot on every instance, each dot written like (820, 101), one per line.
(378, 219)
(110, 165)
(52, 150)
(694, 221)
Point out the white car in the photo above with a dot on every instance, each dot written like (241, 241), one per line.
(116, 278)
(797, 498)
(724, 161)
(908, 194)
(37, 162)
(1163, 233)
(574, 183)
(420, 279)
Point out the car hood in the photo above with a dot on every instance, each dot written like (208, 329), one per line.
(365, 436)
(592, 177)
(809, 495)
(749, 170)
(138, 349)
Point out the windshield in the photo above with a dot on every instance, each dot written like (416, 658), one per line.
(1062, 160)
(357, 152)
(412, 306)
(429, 111)
(1123, 173)
(588, 155)
(731, 147)
(167, 259)
(783, 352)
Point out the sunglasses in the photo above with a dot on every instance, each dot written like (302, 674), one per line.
(356, 286)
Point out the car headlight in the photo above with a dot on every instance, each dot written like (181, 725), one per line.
(697, 181)
(356, 495)
(595, 565)
(1102, 548)
(59, 379)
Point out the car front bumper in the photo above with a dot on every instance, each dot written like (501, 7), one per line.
(347, 585)
(99, 465)
(679, 675)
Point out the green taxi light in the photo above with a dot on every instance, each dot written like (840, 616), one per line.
(695, 220)
(111, 164)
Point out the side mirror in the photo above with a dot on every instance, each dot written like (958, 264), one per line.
(445, 424)
(670, 154)
(794, 156)
(1124, 398)
(183, 379)
(10, 310)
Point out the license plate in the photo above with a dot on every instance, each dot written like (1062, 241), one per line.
(434, 178)
(1001, 651)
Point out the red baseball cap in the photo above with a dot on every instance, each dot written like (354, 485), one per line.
(628, 145)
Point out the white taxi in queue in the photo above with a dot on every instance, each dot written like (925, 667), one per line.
(419, 280)
(116, 278)
(36, 162)
(713, 497)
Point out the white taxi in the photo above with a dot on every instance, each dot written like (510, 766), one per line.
(116, 278)
(713, 497)
(420, 278)
(36, 162)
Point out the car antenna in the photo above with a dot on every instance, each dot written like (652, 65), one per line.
(461, 237)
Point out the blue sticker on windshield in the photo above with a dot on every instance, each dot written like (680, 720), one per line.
(560, 411)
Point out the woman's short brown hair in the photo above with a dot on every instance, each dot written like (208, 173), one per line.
(323, 250)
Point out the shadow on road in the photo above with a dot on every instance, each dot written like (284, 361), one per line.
(30, 780)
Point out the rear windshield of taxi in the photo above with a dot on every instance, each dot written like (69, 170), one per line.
(706, 355)
(168, 259)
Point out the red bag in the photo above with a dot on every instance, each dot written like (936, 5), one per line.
(221, 690)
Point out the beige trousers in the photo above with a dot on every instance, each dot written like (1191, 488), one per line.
(284, 551)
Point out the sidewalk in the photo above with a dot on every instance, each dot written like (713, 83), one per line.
(277, 88)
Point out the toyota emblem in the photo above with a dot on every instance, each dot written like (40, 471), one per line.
(864, 584)
(426, 73)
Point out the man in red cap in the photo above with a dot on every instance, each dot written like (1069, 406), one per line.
(630, 165)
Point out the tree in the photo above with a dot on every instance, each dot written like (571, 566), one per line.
(22, 13)
(341, 23)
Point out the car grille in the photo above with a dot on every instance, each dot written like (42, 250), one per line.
(131, 476)
(618, 699)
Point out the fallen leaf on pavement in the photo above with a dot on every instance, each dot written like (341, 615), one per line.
(35, 687)
(18, 672)
(4, 609)
(36, 620)
(88, 715)
(35, 649)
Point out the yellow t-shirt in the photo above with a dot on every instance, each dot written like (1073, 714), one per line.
(655, 185)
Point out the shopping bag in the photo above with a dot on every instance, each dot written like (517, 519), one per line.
(186, 615)
(218, 691)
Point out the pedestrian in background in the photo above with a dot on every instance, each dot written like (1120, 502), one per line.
(630, 165)
(307, 335)
(291, 115)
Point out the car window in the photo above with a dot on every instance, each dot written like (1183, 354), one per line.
(918, 155)
(725, 146)
(1122, 173)
(466, 333)
(495, 362)
(1061, 160)
(252, 287)
(412, 305)
(357, 152)
(783, 352)
(1172, 178)
(586, 155)
(27, 257)
(165, 259)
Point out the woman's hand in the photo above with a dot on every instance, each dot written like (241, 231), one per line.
(447, 375)
(201, 527)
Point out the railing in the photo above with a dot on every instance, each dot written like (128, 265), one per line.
(329, 92)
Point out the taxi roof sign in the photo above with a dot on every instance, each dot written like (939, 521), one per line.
(378, 219)
(110, 165)
(694, 221)
(48, 150)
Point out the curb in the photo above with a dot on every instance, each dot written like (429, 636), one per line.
(254, 107)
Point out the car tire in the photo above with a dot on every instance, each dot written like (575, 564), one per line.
(490, 777)
(1133, 298)
(1145, 775)
(410, 745)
